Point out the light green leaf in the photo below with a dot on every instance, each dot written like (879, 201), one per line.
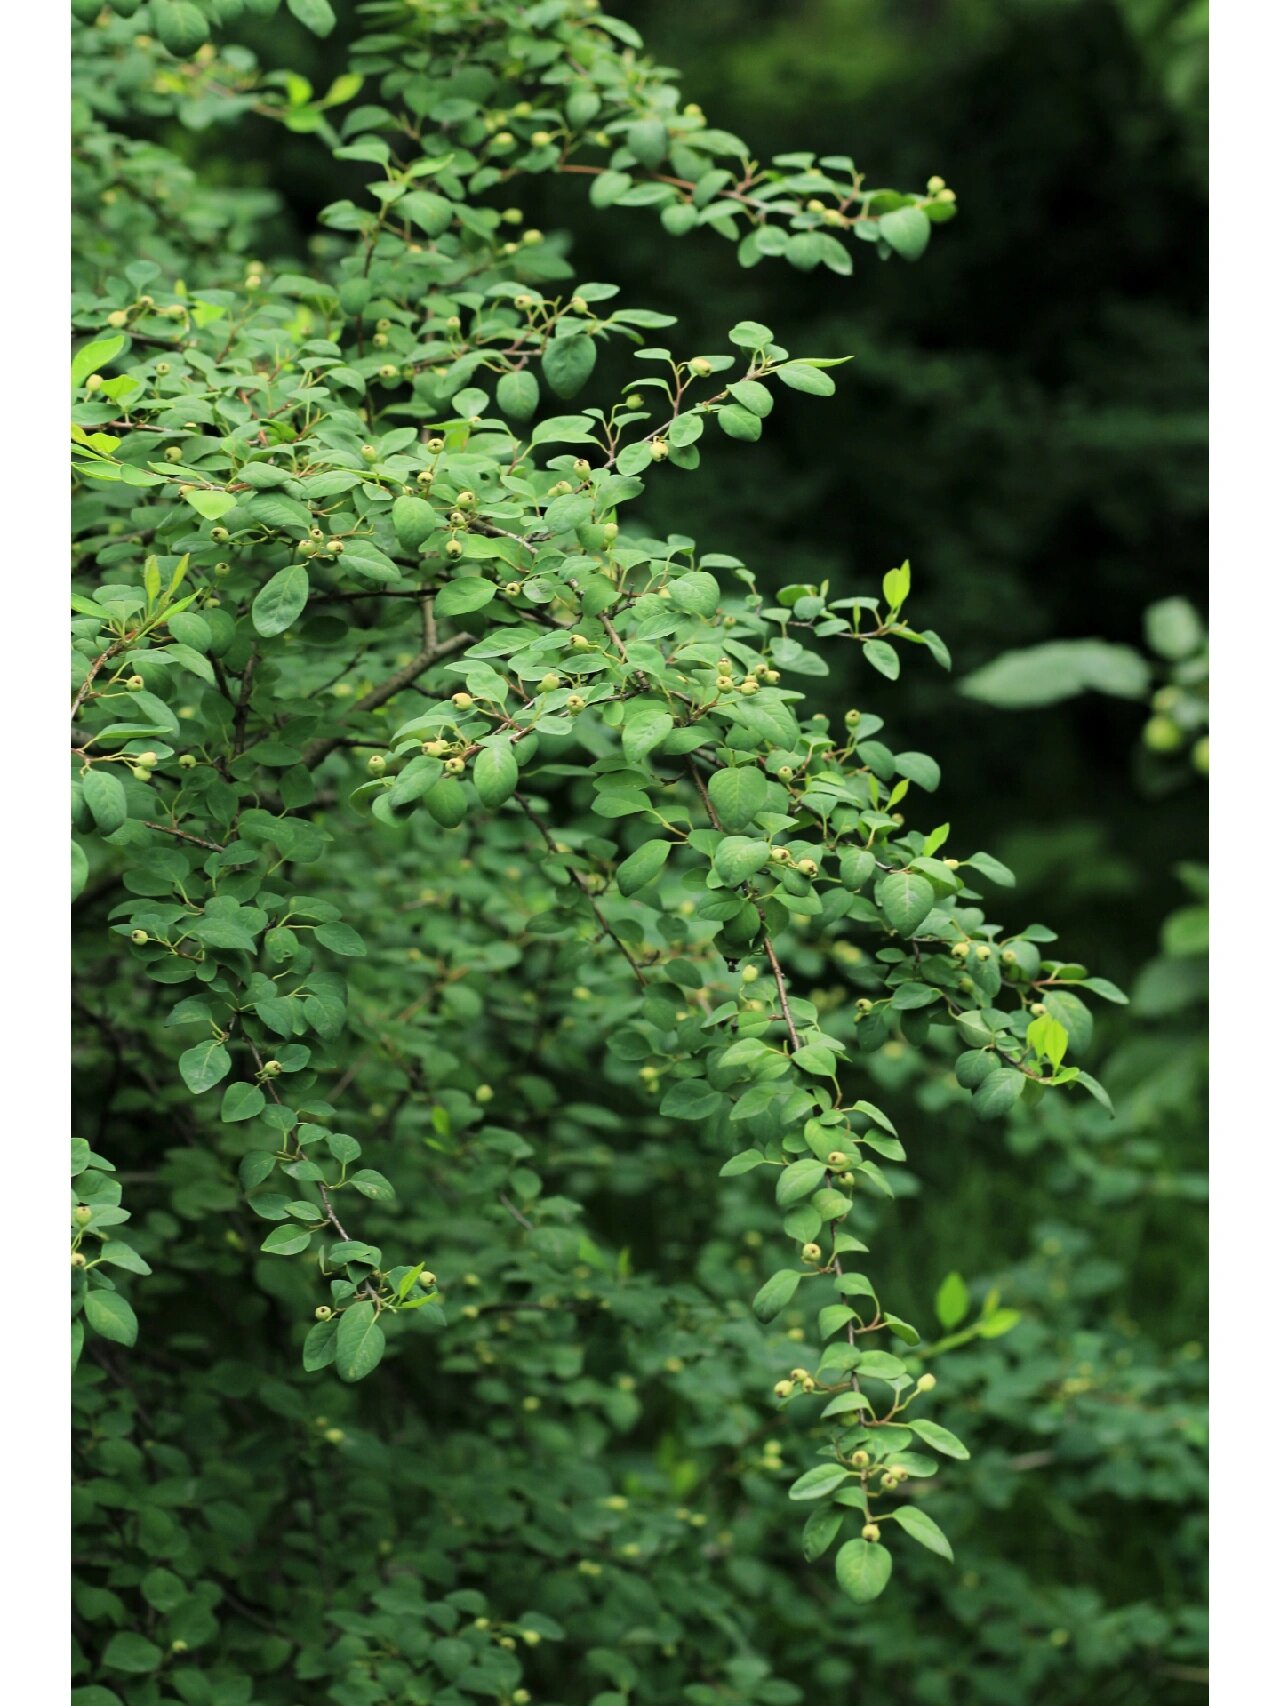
(643, 729)
(413, 519)
(1060, 669)
(126, 1651)
(281, 601)
(105, 797)
(921, 1526)
(738, 857)
(360, 1341)
(951, 1302)
(203, 1066)
(642, 866)
(906, 230)
(863, 1568)
(906, 899)
(801, 377)
(737, 794)
(743, 1163)
(567, 363)
(881, 656)
(467, 593)
(241, 1102)
(998, 1092)
(941, 1439)
(211, 505)
(496, 773)
(316, 15)
(93, 356)
(111, 1317)
(698, 592)
(518, 394)
(286, 1241)
(798, 1181)
(817, 1482)
(919, 768)
(776, 1292)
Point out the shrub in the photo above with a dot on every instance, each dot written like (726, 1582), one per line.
(462, 886)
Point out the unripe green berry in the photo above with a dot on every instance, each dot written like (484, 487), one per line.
(870, 1532)
(82, 1214)
(812, 1253)
(700, 365)
(455, 766)
(187, 760)
(323, 1312)
(78, 1259)
(659, 450)
(1162, 734)
(462, 700)
(784, 1388)
(860, 1459)
(453, 548)
(926, 1383)
(549, 682)
(427, 1280)
(377, 763)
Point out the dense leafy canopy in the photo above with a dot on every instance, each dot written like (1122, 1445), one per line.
(464, 883)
